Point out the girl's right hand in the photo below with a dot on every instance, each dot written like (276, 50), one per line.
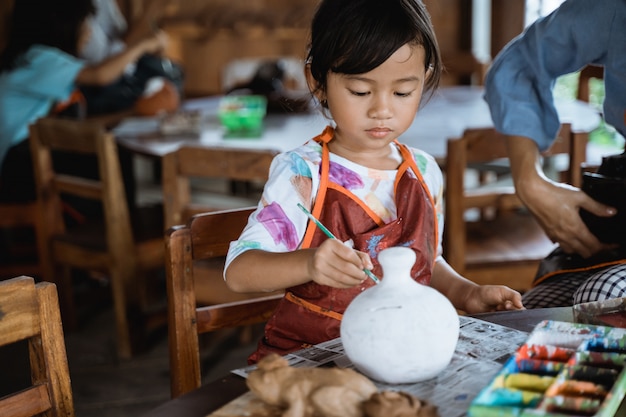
(337, 265)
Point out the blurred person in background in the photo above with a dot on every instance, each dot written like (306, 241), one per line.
(112, 34)
(519, 92)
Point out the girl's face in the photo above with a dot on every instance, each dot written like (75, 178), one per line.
(374, 108)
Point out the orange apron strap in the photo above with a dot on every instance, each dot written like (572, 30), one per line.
(76, 97)
(312, 307)
(541, 279)
(316, 210)
(409, 162)
(324, 138)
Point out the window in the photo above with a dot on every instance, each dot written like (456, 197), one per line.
(538, 8)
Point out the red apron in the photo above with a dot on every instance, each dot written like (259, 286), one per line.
(311, 313)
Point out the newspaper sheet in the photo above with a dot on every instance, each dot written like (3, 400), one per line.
(481, 351)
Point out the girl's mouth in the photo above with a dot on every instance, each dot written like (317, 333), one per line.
(379, 132)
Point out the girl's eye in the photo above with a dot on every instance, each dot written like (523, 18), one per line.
(399, 94)
(359, 93)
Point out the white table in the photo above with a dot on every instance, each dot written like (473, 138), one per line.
(454, 109)
(446, 115)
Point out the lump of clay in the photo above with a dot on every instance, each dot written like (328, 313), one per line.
(397, 404)
(310, 392)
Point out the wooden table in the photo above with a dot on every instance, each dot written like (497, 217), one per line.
(210, 397)
(446, 115)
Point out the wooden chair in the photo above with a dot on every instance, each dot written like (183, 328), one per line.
(583, 93)
(189, 162)
(506, 247)
(31, 312)
(586, 75)
(205, 237)
(125, 245)
(25, 259)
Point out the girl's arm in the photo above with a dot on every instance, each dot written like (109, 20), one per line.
(112, 68)
(470, 297)
(332, 263)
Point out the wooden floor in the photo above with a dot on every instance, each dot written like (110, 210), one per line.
(103, 386)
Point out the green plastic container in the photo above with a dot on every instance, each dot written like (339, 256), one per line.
(242, 116)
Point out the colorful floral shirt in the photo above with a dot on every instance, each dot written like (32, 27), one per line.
(294, 178)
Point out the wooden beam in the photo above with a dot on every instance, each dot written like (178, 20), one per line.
(507, 21)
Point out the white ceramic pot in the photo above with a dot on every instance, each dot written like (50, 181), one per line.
(400, 331)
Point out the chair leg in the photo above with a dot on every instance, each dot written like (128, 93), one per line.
(63, 279)
(118, 287)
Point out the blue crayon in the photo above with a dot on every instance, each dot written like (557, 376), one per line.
(505, 397)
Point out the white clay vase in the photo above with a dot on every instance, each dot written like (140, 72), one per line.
(399, 331)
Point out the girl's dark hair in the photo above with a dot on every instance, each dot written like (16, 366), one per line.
(356, 36)
(55, 23)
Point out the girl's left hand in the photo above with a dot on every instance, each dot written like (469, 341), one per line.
(486, 298)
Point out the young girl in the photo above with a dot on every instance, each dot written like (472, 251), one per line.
(369, 63)
(39, 70)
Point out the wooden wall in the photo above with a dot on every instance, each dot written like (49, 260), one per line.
(206, 34)
(452, 21)
(507, 21)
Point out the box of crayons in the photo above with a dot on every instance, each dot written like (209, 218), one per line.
(562, 370)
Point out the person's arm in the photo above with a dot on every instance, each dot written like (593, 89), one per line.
(555, 205)
(470, 297)
(147, 21)
(518, 89)
(332, 263)
(112, 68)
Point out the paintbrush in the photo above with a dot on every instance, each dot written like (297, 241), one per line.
(331, 236)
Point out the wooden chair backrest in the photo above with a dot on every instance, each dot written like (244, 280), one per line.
(205, 236)
(198, 162)
(586, 74)
(481, 146)
(30, 312)
(48, 135)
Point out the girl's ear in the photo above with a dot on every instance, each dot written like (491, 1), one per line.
(313, 85)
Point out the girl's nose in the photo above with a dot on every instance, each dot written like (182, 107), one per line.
(380, 109)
